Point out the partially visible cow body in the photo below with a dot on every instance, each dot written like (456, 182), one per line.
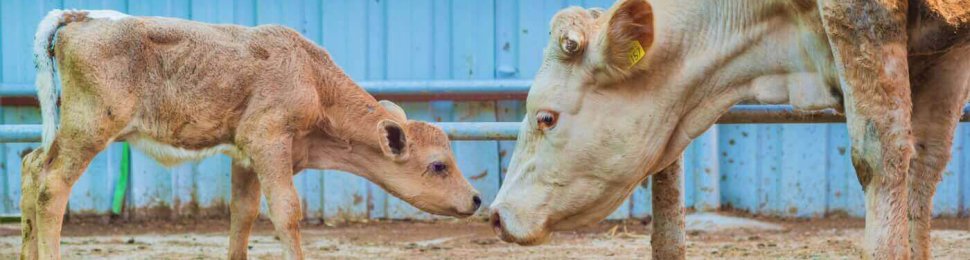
(181, 90)
(622, 92)
(954, 12)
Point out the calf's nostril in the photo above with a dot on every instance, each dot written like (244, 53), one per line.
(477, 201)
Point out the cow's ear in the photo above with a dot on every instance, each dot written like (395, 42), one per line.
(596, 12)
(629, 33)
(394, 109)
(394, 141)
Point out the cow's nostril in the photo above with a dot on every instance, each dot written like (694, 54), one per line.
(477, 201)
(496, 221)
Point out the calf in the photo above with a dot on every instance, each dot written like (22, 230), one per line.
(181, 90)
(621, 94)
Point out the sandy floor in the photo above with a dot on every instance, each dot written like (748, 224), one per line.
(465, 239)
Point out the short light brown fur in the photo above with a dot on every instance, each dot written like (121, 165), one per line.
(273, 100)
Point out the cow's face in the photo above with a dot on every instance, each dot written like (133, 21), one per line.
(592, 130)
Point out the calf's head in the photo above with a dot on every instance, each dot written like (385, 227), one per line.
(605, 110)
(412, 160)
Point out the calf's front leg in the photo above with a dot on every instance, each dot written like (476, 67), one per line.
(668, 239)
(244, 209)
(271, 160)
(869, 45)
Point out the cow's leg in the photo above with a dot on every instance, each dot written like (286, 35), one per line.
(30, 170)
(869, 45)
(244, 208)
(938, 100)
(668, 239)
(269, 147)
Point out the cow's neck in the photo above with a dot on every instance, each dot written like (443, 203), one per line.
(767, 51)
(723, 52)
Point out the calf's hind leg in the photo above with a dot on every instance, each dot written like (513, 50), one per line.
(92, 113)
(30, 170)
(938, 100)
(244, 209)
(79, 139)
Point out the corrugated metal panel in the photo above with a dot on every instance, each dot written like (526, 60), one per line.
(786, 170)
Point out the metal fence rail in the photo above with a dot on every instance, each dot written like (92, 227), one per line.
(740, 114)
(477, 90)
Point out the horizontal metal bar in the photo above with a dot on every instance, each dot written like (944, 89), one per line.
(481, 130)
(741, 114)
(518, 89)
(428, 89)
(777, 114)
(455, 131)
(446, 87)
(20, 133)
(17, 90)
(786, 114)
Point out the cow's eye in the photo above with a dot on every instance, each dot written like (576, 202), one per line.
(546, 119)
(438, 168)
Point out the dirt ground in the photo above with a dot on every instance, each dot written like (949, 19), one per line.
(468, 239)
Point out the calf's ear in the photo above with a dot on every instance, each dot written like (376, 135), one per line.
(394, 109)
(394, 141)
(629, 33)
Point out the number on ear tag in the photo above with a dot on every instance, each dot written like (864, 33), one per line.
(636, 53)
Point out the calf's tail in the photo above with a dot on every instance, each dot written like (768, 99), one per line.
(44, 62)
(47, 91)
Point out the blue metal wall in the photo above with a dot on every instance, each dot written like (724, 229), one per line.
(784, 170)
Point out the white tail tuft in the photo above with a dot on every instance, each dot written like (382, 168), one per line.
(46, 92)
(43, 45)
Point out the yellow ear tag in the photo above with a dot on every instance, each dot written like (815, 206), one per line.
(636, 53)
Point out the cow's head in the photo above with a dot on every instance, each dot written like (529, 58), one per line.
(604, 111)
(410, 159)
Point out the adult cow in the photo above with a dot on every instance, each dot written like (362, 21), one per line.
(621, 94)
(181, 90)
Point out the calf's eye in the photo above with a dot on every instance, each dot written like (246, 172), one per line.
(438, 168)
(546, 119)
